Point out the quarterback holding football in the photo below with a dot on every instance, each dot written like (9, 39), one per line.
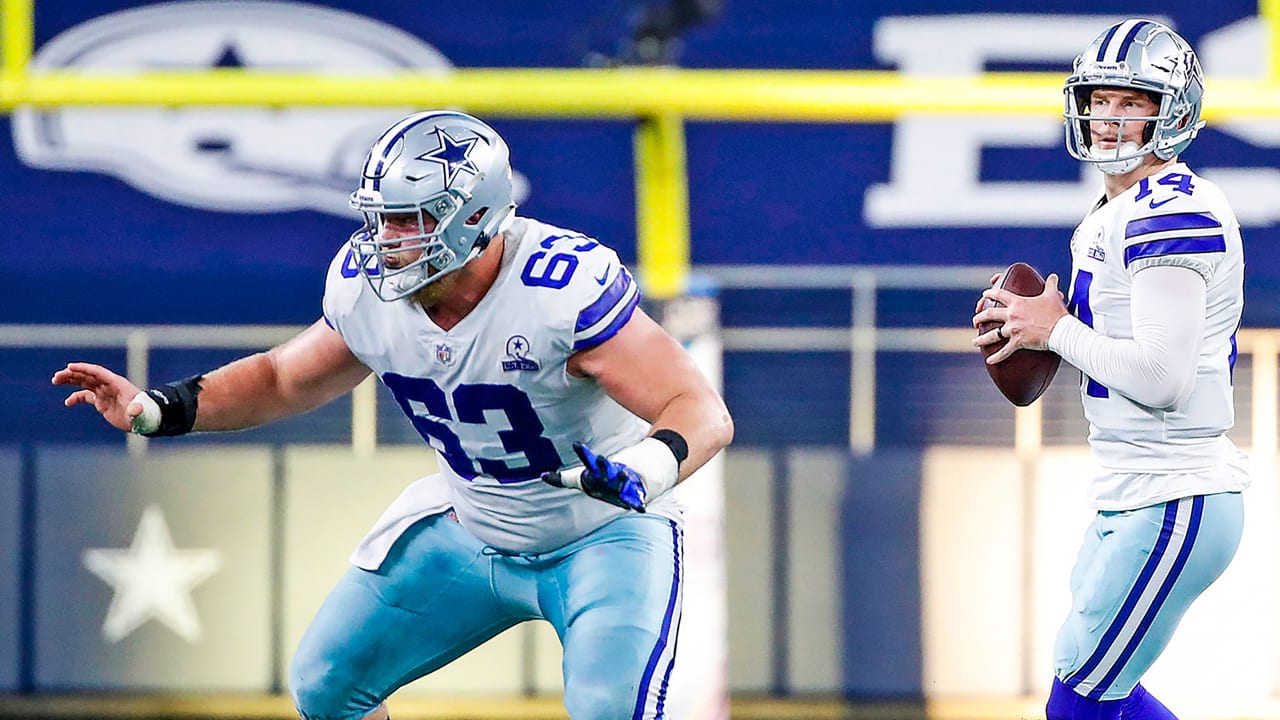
(1150, 319)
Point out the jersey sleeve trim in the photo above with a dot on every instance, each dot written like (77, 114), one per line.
(602, 319)
(1176, 223)
(608, 300)
(1190, 262)
(1174, 246)
(1185, 233)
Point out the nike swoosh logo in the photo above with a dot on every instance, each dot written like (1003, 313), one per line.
(603, 278)
(1166, 201)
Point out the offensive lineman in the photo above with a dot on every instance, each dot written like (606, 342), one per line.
(516, 349)
(1156, 297)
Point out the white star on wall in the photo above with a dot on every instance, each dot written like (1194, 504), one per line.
(152, 579)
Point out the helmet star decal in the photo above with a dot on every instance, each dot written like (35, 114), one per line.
(454, 155)
(442, 163)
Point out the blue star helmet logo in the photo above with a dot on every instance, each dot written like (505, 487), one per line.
(454, 155)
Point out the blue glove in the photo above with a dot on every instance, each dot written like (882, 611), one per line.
(603, 479)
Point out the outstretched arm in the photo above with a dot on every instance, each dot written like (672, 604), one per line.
(303, 373)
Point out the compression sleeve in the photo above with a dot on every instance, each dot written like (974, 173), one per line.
(1157, 367)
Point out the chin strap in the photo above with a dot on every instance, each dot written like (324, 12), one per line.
(1120, 167)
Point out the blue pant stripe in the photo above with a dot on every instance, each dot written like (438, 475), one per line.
(675, 648)
(661, 645)
(1140, 586)
(1193, 527)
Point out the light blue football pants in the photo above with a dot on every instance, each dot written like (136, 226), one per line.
(613, 596)
(1135, 576)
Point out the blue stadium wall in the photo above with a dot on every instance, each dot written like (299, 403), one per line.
(132, 237)
(140, 240)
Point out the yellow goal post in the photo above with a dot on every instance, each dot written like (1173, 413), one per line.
(660, 99)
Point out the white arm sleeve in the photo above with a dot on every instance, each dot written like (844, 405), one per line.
(1157, 367)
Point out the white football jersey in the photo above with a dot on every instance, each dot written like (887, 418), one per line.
(492, 394)
(1174, 217)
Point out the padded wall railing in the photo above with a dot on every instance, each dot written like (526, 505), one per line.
(864, 339)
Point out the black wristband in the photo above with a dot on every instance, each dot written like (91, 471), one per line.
(178, 402)
(674, 440)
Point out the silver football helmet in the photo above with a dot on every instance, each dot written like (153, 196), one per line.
(448, 165)
(1140, 55)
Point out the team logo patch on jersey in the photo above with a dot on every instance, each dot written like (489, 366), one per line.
(518, 355)
(444, 353)
(1096, 251)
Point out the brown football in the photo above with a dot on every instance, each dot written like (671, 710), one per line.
(1025, 375)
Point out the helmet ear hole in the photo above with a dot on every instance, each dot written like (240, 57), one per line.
(1083, 95)
(1085, 136)
(477, 216)
(1084, 98)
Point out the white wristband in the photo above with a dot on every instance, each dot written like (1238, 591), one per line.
(654, 462)
(149, 419)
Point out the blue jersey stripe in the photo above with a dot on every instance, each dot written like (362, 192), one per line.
(1175, 246)
(613, 327)
(1178, 221)
(607, 301)
(1231, 359)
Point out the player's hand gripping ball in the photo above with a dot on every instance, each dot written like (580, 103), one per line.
(1025, 375)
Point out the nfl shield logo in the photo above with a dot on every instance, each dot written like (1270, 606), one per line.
(444, 353)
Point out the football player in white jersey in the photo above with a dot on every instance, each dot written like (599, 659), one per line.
(560, 412)
(1155, 301)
